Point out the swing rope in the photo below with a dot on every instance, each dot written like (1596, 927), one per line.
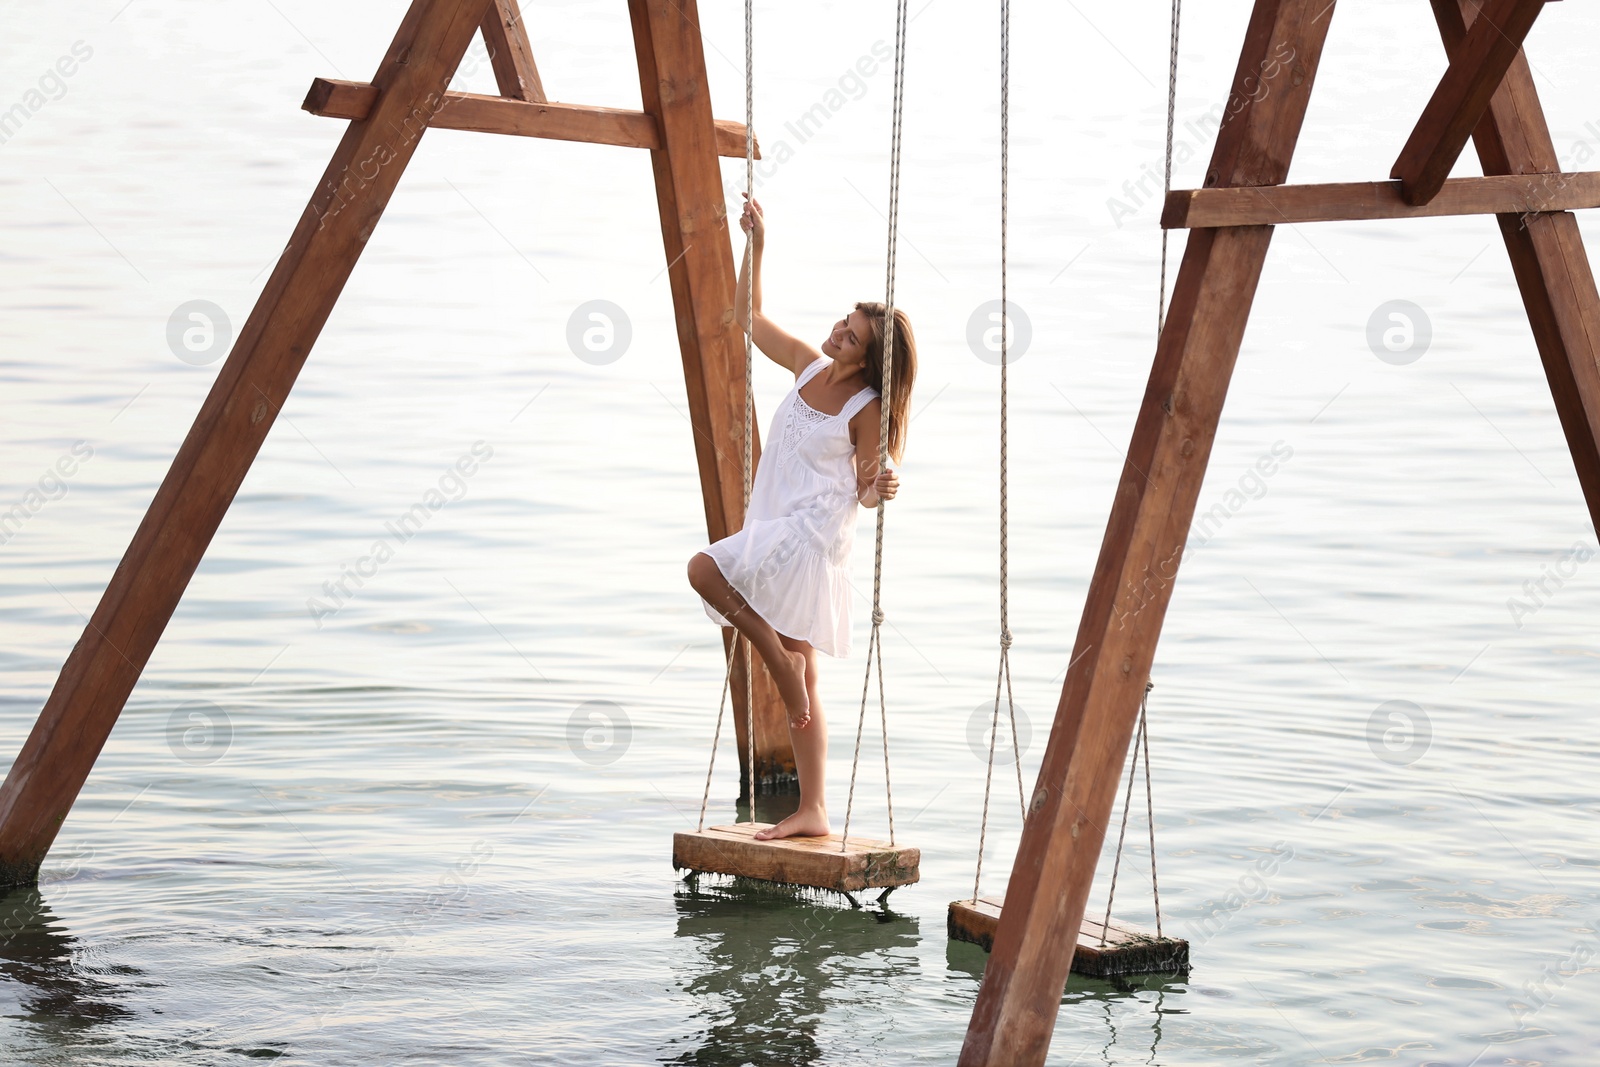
(749, 420)
(716, 738)
(874, 643)
(1141, 747)
(1141, 740)
(749, 377)
(1003, 674)
(1172, 109)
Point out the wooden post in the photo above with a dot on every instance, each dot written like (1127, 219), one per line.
(237, 414)
(1547, 255)
(1132, 584)
(694, 229)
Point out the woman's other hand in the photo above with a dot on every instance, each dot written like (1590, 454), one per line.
(886, 484)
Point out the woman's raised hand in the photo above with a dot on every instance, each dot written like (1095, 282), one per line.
(751, 221)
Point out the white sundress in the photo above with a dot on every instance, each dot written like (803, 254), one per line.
(791, 562)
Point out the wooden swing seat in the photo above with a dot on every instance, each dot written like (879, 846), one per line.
(1128, 949)
(807, 861)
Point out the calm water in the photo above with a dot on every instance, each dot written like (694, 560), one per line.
(389, 827)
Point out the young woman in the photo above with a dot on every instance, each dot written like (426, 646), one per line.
(784, 580)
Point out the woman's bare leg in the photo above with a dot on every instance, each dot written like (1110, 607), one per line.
(788, 667)
(810, 744)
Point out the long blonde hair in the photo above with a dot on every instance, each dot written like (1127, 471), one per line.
(905, 369)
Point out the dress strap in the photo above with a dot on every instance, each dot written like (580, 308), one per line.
(857, 402)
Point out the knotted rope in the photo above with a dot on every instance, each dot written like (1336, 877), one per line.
(1172, 108)
(874, 642)
(1004, 672)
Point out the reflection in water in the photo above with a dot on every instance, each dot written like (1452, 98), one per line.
(36, 964)
(1127, 1028)
(768, 959)
(1131, 1008)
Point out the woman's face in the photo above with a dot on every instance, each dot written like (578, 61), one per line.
(847, 341)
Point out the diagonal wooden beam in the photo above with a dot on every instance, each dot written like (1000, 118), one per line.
(1270, 205)
(1547, 255)
(1475, 72)
(505, 35)
(244, 401)
(339, 99)
(1149, 523)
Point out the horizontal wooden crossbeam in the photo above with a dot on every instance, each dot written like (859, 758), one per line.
(338, 99)
(1271, 205)
(1475, 72)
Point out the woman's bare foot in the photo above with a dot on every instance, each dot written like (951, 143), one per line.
(791, 678)
(806, 822)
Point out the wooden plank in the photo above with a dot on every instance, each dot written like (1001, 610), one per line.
(1272, 205)
(1476, 70)
(505, 35)
(808, 861)
(1017, 1003)
(249, 391)
(1547, 254)
(700, 270)
(339, 99)
(1103, 949)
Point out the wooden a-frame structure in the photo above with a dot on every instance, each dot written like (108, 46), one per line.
(408, 94)
(1487, 93)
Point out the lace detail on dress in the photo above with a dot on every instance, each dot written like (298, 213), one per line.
(802, 420)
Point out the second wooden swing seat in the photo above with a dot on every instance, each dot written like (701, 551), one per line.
(1105, 947)
(1104, 950)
